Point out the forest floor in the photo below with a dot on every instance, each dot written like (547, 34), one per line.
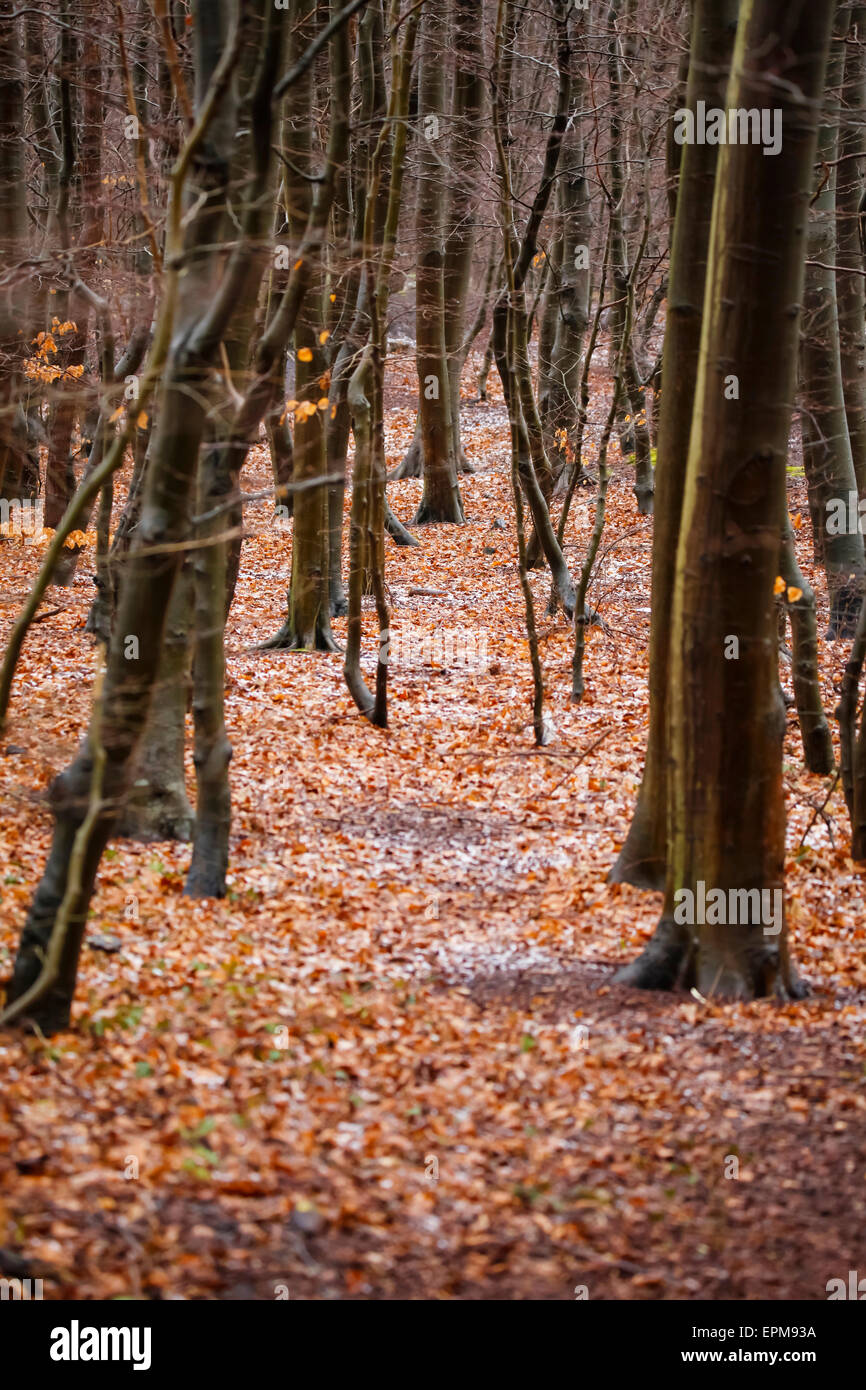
(392, 1062)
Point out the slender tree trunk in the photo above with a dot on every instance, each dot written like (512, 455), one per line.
(566, 313)
(158, 807)
(827, 456)
(850, 282)
(207, 871)
(467, 116)
(853, 741)
(19, 470)
(510, 345)
(308, 624)
(635, 436)
(366, 393)
(814, 729)
(88, 796)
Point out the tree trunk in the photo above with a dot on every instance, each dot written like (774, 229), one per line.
(727, 810)
(827, 456)
(850, 283)
(308, 622)
(88, 796)
(19, 467)
(566, 313)
(634, 438)
(642, 858)
(440, 499)
(157, 807)
(814, 729)
(467, 114)
(210, 854)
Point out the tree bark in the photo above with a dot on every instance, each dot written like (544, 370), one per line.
(440, 499)
(727, 812)
(88, 796)
(641, 860)
(850, 282)
(827, 456)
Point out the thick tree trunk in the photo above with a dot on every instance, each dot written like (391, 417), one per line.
(727, 811)
(157, 807)
(642, 858)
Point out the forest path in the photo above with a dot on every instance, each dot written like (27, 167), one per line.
(392, 1062)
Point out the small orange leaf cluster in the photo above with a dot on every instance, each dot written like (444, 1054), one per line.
(303, 410)
(38, 368)
(45, 371)
(793, 593)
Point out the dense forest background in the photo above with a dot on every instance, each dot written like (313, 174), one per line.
(432, 578)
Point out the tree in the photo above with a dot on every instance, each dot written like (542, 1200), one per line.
(440, 500)
(827, 455)
(726, 806)
(87, 796)
(642, 858)
(19, 474)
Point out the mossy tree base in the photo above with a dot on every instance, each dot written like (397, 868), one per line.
(749, 967)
